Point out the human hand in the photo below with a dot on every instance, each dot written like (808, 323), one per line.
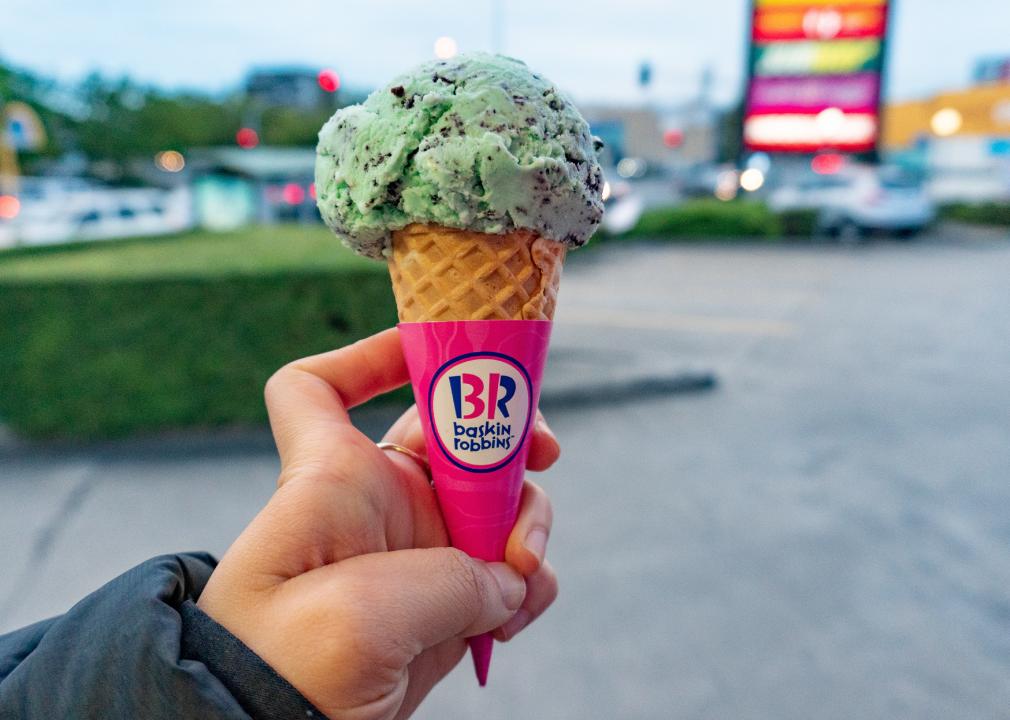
(344, 583)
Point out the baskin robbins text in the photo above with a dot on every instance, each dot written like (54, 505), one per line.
(491, 434)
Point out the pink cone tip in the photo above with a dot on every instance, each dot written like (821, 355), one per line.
(480, 648)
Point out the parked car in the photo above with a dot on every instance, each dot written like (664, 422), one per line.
(622, 207)
(858, 200)
(55, 211)
(707, 180)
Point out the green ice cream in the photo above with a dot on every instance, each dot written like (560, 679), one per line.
(478, 142)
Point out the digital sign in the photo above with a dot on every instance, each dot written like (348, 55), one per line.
(814, 75)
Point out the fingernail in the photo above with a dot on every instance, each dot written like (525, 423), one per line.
(520, 620)
(510, 584)
(536, 542)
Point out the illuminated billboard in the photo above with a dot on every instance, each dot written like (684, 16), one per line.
(814, 75)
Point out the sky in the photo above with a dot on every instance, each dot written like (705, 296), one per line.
(591, 49)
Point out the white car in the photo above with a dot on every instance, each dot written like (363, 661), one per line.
(622, 207)
(857, 200)
(53, 212)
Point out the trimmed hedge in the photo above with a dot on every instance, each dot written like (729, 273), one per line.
(988, 213)
(798, 223)
(709, 219)
(112, 355)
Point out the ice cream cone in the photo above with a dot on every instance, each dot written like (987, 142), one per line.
(441, 273)
(452, 278)
(441, 146)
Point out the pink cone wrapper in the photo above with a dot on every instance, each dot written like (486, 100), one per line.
(477, 385)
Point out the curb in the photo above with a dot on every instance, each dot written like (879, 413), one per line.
(372, 419)
(624, 390)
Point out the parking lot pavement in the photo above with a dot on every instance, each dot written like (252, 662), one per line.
(822, 534)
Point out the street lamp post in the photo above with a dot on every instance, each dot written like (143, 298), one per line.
(497, 26)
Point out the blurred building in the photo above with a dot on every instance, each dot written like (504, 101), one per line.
(627, 132)
(992, 69)
(292, 87)
(960, 137)
(235, 186)
(668, 137)
(979, 111)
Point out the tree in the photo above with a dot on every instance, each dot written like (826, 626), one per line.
(114, 121)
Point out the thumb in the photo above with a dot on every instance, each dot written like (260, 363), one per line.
(410, 600)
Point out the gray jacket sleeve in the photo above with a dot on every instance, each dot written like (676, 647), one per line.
(140, 647)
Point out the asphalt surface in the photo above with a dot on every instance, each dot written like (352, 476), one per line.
(822, 534)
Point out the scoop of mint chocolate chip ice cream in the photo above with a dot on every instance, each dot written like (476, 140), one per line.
(478, 142)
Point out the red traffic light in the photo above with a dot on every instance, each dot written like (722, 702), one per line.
(247, 138)
(827, 163)
(329, 80)
(673, 138)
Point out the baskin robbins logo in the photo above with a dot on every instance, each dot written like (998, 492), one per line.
(480, 406)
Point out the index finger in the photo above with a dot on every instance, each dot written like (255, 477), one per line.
(308, 399)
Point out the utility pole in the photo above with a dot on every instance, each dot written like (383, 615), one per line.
(644, 78)
(705, 120)
(498, 26)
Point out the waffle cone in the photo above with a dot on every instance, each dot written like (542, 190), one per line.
(442, 273)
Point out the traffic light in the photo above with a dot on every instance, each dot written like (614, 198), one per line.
(247, 138)
(329, 80)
